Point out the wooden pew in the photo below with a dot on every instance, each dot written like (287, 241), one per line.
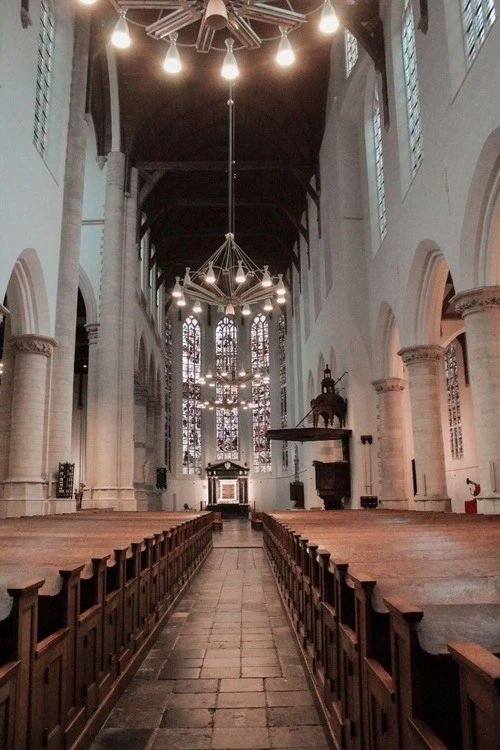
(70, 637)
(367, 652)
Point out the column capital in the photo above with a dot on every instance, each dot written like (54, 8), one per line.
(416, 354)
(92, 332)
(386, 385)
(476, 300)
(30, 343)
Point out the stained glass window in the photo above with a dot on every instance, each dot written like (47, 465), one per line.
(261, 393)
(283, 402)
(44, 75)
(453, 393)
(478, 17)
(226, 362)
(379, 165)
(351, 52)
(412, 88)
(168, 393)
(191, 413)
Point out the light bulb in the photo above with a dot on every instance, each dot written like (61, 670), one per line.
(209, 374)
(120, 36)
(268, 305)
(246, 310)
(197, 306)
(187, 278)
(285, 55)
(328, 22)
(280, 287)
(266, 279)
(229, 309)
(87, 2)
(172, 61)
(210, 277)
(230, 66)
(177, 291)
(181, 301)
(240, 273)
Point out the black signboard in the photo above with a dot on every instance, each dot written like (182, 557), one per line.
(65, 480)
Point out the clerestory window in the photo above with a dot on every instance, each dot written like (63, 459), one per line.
(46, 36)
(412, 88)
(478, 17)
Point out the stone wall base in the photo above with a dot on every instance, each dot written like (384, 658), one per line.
(119, 498)
(393, 503)
(10, 508)
(488, 505)
(435, 504)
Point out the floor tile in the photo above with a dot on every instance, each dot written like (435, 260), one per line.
(228, 738)
(240, 717)
(117, 739)
(242, 700)
(180, 739)
(184, 718)
(301, 737)
(241, 685)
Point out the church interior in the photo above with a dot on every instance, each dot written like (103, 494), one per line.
(255, 284)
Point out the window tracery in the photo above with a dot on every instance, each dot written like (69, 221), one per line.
(412, 87)
(46, 36)
(478, 17)
(191, 413)
(168, 393)
(261, 393)
(226, 361)
(453, 399)
(379, 165)
(283, 400)
(351, 52)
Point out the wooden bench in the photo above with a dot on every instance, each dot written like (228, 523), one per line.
(256, 520)
(80, 601)
(383, 670)
(217, 522)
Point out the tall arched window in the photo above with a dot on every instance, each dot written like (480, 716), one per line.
(261, 393)
(191, 413)
(379, 164)
(478, 17)
(46, 35)
(283, 400)
(351, 52)
(453, 397)
(168, 393)
(226, 361)
(411, 87)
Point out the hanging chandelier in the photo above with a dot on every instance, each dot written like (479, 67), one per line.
(244, 20)
(230, 279)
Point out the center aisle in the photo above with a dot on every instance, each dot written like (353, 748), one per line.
(225, 673)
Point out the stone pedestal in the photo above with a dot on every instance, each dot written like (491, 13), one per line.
(423, 376)
(480, 309)
(391, 443)
(25, 486)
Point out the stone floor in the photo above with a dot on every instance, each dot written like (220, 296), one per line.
(225, 672)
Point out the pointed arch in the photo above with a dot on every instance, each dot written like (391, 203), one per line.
(424, 296)
(386, 363)
(87, 290)
(142, 367)
(27, 295)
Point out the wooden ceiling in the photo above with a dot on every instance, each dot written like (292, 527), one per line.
(175, 131)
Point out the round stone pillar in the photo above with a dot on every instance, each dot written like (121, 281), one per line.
(26, 482)
(423, 375)
(480, 309)
(391, 442)
(92, 414)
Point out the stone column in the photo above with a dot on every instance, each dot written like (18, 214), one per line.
(391, 442)
(92, 414)
(423, 375)
(140, 466)
(69, 258)
(480, 309)
(25, 487)
(6, 405)
(114, 439)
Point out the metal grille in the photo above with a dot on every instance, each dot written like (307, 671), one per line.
(379, 166)
(478, 17)
(226, 420)
(261, 394)
(411, 88)
(351, 52)
(43, 76)
(191, 413)
(453, 392)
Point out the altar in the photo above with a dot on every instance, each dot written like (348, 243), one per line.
(227, 485)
